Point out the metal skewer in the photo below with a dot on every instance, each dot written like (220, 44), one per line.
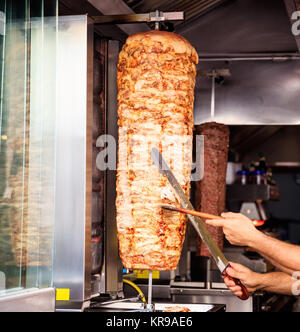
(152, 17)
(213, 95)
(150, 288)
(203, 215)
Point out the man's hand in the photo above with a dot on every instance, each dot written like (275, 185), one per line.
(238, 229)
(249, 278)
(275, 282)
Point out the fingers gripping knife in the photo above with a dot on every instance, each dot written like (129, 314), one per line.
(198, 224)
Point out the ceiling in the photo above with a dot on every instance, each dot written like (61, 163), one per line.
(212, 26)
(243, 26)
(230, 26)
(79, 7)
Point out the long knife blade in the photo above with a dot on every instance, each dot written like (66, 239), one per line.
(198, 224)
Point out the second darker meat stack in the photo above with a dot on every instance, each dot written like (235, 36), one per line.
(210, 194)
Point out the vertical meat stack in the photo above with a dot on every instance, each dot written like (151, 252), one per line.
(156, 80)
(210, 195)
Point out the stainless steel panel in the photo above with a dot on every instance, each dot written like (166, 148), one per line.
(89, 103)
(119, 306)
(236, 254)
(158, 291)
(72, 254)
(256, 93)
(190, 284)
(31, 300)
(113, 266)
(233, 304)
(252, 193)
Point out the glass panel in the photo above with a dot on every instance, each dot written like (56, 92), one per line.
(4, 251)
(41, 175)
(27, 155)
(13, 131)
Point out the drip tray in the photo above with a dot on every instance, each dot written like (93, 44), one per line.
(162, 307)
(158, 307)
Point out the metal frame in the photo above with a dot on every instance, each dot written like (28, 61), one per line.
(89, 155)
(31, 300)
(113, 267)
(139, 18)
(208, 296)
(73, 215)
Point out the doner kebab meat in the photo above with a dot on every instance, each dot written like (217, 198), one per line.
(210, 192)
(156, 81)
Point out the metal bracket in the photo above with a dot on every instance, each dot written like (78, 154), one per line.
(156, 17)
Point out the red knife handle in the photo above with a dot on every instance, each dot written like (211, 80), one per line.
(237, 282)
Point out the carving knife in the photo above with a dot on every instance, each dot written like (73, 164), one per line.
(197, 223)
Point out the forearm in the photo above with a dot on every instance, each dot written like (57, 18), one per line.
(277, 265)
(285, 255)
(276, 282)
